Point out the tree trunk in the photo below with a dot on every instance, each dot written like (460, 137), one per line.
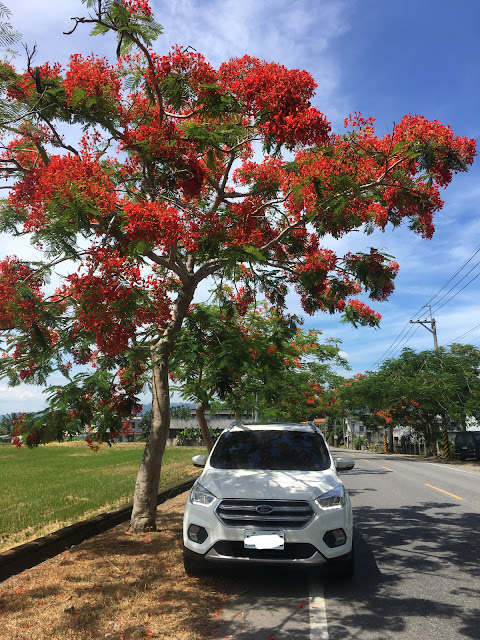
(148, 477)
(238, 416)
(431, 440)
(390, 438)
(207, 438)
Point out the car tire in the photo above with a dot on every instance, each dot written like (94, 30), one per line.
(193, 563)
(342, 568)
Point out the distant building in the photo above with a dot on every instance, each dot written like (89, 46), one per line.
(221, 419)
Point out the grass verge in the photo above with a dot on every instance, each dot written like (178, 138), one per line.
(117, 586)
(52, 486)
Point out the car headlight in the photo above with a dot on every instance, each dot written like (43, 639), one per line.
(201, 496)
(333, 499)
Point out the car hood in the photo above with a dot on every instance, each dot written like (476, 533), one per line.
(273, 485)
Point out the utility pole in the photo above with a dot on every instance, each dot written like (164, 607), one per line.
(433, 331)
(432, 328)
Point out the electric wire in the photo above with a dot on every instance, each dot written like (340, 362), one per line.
(452, 278)
(436, 307)
(465, 334)
(456, 294)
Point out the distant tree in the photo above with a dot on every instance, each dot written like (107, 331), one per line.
(145, 425)
(304, 388)
(7, 423)
(180, 412)
(420, 390)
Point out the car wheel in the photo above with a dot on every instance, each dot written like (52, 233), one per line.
(343, 568)
(193, 563)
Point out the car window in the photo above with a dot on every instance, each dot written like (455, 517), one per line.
(270, 450)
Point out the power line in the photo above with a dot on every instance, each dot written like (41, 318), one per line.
(382, 357)
(408, 337)
(456, 294)
(455, 285)
(452, 278)
(465, 334)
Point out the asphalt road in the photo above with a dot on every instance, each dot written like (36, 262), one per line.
(417, 530)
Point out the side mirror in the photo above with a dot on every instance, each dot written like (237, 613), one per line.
(199, 461)
(342, 464)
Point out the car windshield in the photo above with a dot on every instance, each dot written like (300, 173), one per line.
(273, 450)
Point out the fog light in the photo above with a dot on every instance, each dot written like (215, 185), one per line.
(335, 538)
(197, 534)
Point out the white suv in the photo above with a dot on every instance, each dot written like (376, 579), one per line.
(269, 494)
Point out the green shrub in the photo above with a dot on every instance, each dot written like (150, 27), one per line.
(194, 434)
(358, 443)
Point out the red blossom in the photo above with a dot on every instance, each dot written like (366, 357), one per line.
(91, 77)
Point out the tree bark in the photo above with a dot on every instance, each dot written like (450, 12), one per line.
(148, 477)
(390, 438)
(430, 439)
(207, 438)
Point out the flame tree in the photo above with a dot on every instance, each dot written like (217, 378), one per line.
(137, 180)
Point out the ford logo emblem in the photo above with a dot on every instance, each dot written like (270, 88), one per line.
(264, 509)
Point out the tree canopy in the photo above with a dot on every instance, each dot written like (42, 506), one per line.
(253, 358)
(138, 179)
(421, 391)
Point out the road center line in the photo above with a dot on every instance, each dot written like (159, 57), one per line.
(318, 612)
(448, 494)
(388, 469)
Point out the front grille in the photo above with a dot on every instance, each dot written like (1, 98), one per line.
(292, 551)
(282, 514)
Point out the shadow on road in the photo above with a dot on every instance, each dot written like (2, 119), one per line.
(432, 539)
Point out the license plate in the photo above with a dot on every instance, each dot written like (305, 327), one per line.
(264, 539)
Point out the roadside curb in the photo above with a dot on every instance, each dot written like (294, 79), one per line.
(26, 556)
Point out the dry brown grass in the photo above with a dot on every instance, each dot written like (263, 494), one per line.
(118, 585)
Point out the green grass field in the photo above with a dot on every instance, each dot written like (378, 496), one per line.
(51, 486)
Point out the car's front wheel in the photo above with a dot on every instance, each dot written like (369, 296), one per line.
(193, 563)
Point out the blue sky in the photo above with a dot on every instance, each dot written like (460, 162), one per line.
(383, 58)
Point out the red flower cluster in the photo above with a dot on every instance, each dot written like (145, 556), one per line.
(374, 271)
(20, 293)
(91, 77)
(111, 285)
(65, 180)
(279, 98)
(25, 86)
(385, 415)
(136, 7)
(362, 311)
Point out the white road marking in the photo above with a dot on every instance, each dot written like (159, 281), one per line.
(318, 612)
(450, 467)
(470, 472)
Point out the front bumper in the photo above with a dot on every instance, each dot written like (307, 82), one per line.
(303, 546)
